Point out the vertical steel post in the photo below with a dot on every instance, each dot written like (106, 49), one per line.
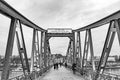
(49, 53)
(91, 49)
(38, 50)
(117, 24)
(32, 53)
(85, 51)
(25, 52)
(9, 49)
(74, 54)
(68, 50)
(106, 50)
(42, 49)
(20, 52)
(45, 49)
(77, 49)
(80, 50)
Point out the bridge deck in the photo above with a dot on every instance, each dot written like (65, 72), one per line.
(61, 74)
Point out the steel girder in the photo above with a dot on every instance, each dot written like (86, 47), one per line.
(101, 22)
(42, 49)
(9, 49)
(85, 51)
(22, 50)
(88, 44)
(35, 55)
(78, 49)
(9, 11)
(68, 54)
(113, 28)
(59, 34)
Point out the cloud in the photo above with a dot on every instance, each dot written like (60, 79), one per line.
(20, 5)
(64, 13)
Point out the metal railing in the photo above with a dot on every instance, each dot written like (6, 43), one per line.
(32, 76)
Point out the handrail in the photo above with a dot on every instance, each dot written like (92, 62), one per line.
(111, 74)
(101, 22)
(10, 12)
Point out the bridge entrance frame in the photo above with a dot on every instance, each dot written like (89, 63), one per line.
(71, 36)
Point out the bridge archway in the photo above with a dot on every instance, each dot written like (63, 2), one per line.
(62, 33)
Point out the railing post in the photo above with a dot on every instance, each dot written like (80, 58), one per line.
(9, 49)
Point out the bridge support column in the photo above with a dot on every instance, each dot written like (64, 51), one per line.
(35, 55)
(32, 53)
(68, 51)
(88, 44)
(9, 49)
(45, 49)
(114, 27)
(42, 49)
(73, 47)
(78, 49)
(85, 52)
(91, 50)
(49, 53)
(22, 50)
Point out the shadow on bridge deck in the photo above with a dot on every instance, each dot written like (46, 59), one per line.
(61, 74)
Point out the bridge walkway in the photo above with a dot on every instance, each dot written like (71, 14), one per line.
(61, 74)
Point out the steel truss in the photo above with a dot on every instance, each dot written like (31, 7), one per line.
(113, 28)
(41, 53)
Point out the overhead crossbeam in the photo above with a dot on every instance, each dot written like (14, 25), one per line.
(59, 34)
(101, 22)
(10, 12)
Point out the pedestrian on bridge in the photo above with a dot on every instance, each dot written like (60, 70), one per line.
(74, 67)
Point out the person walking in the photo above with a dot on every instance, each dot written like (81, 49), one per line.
(74, 68)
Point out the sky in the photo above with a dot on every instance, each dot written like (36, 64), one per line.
(61, 14)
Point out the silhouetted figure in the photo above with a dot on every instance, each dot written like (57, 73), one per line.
(60, 64)
(74, 67)
(55, 65)
(66, 65)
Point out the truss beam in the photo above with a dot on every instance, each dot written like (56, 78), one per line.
(101, 22)
(9, 49)
(9, 11)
